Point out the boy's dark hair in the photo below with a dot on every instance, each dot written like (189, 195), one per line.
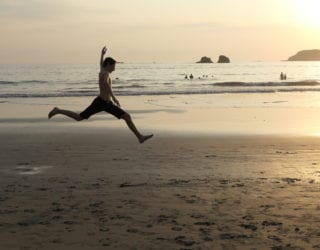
(108, 61)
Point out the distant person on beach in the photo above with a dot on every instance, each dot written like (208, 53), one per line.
(191, 76)
(103, 101)
(186, 77)
(283, 76)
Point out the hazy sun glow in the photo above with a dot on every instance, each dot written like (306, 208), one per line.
(308, 11)
(71, 31)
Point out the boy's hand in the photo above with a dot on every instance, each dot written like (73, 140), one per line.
(104, 50)
(117, 102)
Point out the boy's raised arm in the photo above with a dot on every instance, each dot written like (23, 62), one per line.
(103, 51)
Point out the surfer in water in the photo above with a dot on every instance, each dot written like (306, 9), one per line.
(105, 101)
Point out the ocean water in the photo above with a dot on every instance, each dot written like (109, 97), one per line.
(32, 81)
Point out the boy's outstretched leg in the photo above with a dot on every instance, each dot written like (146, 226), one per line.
(68, 113)
(141, 138)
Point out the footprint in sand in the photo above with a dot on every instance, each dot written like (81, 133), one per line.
(267, 206)
(178, 182)
(275, 238)
(120, 159)
(204, 223)
(93, 186)
(207, 238)
(96, 204)
(230, 236)
(105, 242)
(218, 202)
(290, 180)
(191, 199)
(57, 241)
(249, 226)
(56, 217)
(182, 240)
(137, 231)
(271, 223)
(120, 217)
(167, 219)
(210, 156)
(198, 216)
(4, 198)
(58, 209)
(224, 182)
(127, 184)
(69, 222)
(176, 228)
(238, 185)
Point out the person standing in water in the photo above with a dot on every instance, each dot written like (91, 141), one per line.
(103, 101)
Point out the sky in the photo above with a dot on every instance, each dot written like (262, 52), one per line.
(74, 31)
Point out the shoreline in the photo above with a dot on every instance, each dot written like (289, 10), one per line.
(197, 114)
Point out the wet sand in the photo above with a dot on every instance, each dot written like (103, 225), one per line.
(94, 189)
(84, 186)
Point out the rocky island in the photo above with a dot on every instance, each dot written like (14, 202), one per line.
(205, 59)
(306, 55)
(223, 59)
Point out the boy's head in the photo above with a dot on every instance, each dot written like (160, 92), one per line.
(109, 64)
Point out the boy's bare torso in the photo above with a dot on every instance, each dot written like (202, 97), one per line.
(105, 85)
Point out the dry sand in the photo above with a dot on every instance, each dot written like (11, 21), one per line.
(82, 186)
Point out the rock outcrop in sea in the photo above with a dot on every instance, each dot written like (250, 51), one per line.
(205, 59)
(223, 59)
(306, 55)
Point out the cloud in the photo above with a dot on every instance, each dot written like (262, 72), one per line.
(37, 10)
(234, 27)
(30, 10)
(206, 25)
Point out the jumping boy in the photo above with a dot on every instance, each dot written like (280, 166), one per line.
(103, 101)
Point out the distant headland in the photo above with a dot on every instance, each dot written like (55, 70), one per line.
(306, 55)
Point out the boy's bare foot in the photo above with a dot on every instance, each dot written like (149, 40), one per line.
(144, 138)
(53, 112)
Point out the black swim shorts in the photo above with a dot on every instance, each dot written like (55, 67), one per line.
(99, 105)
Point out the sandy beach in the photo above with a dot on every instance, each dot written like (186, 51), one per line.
(211, 178)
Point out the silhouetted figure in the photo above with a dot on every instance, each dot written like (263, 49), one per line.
(285, 77)
(281, 76)
(191, 76)
(105, 101)
(186, 77)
